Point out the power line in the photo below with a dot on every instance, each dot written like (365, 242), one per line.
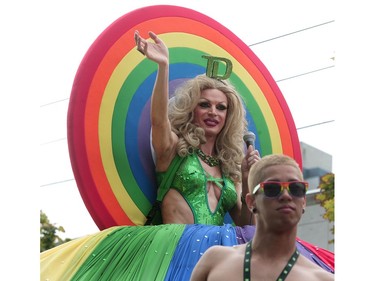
(52, 141)
(302, 74)
(316, 124)
(46, 104)
(291, 33)
(56, 182)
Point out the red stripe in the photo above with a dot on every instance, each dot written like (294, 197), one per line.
(97, 67)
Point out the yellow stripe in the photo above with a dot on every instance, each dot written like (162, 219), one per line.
(122, 71)
(70, 257)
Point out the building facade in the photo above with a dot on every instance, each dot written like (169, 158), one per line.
(313, 228)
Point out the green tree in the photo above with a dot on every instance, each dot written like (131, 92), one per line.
(49, 233)
(326, 198)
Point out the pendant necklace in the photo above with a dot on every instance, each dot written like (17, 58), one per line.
(212, 161)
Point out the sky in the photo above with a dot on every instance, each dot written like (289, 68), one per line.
(46, 41)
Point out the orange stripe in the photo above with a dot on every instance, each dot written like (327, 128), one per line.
(122, 47)
(93, 104)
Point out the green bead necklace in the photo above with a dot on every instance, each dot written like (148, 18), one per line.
(212, 161)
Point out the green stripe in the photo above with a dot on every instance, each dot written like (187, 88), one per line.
(128, 89)
(132, 253)
(131, 84)
(258, 118)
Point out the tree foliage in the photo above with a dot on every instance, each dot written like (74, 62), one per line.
(49, 233)
(326, 198)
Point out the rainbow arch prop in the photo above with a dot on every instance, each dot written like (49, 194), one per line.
(108, 115)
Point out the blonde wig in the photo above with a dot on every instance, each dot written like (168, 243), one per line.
(229, 144)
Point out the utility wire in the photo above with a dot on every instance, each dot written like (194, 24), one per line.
(52, 141)
(56, 182)
(54, 102)
(302, 74)
(291, 33)
(316, 124)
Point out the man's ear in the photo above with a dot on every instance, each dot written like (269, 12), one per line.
(304, 202)
(250, 201)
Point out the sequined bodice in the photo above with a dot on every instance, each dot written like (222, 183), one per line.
(191, 182)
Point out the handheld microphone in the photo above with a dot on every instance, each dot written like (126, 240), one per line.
(249, 138)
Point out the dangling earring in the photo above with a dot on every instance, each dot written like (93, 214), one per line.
(303, 210)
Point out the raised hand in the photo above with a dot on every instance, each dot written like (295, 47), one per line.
(156, 51)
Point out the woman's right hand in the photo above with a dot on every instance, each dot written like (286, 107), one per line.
(251, 157)
(156, 51)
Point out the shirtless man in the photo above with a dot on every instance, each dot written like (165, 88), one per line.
(277, 198)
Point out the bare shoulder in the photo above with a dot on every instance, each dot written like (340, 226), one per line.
(219, 252)
(225, 250)
(311, 271)
(219, 263)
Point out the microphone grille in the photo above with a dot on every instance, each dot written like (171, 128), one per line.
(249, 136)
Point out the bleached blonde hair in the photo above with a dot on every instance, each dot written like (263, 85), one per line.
(257, 171)
(229, 144)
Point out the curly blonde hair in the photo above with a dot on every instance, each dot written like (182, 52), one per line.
(229, 143)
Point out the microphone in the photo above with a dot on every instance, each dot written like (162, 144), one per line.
(249, 138)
